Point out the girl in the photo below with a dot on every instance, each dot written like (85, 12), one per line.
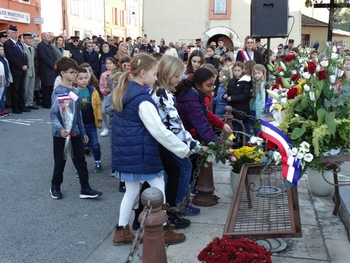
(91, 111)
(257, 101)
(169, 76)
(124, 64)
(249, 67)
(195, 60)
(238, 95)
(227, 65)
(136, 133)
(212, 58)
(105, 53)
(105, 77)
(220, 103)
(135, 51)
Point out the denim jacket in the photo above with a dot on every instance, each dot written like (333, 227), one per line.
(55, 115)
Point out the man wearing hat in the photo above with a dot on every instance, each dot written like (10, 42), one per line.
(199, 45)
(220, 50)
(290, 46)
(18, 66)
(30, 76)
(3, 36)
(75, 50)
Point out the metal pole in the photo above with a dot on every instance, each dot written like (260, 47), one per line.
(330, 22)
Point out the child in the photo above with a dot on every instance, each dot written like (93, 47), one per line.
(91, 110)
(137, 131)
(227, 65)
(257, 101)
(195, 60)
(110, 64)
(67, 69)
(124, 64)
(169, 75)
(238, 95)
(220, 103)
(5, 80)
(212, 58)
(248, 67)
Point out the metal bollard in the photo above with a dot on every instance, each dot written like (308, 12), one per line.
(153, 250)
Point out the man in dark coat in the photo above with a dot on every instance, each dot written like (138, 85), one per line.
(18, 65)
(47, 68)
(75, 50)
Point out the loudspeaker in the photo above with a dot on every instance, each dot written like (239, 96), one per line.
(269, 18)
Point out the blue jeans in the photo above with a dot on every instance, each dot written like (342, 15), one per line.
(185, 166)
(252, 123)
(91, 132)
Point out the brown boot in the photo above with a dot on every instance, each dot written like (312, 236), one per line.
(122, 235)
(171, 237)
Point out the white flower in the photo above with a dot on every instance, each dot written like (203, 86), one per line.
(312, 95)
(332, 79)
(308, 157)
(210, 158)
(324, 63)
(318, 68)
(253, 140)
(277, 157)
(300, 155)
(294, 71)
(282, 73)
(284, 101)
(294, 151)
(301, 60)
(305, 146)
(334, 49)
(306, 87)
(334, 56)
(306, 75)
(340, 73)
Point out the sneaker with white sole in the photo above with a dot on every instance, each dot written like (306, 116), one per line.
(104, 132)
(89, 193)
(55, 192)
(98, 167)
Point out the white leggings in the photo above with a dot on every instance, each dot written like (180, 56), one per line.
(132, 189)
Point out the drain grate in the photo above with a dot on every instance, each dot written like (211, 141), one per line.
(262, 207)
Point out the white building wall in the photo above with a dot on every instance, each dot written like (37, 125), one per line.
(51, 11)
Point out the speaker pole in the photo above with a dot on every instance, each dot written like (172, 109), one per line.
(268, 57)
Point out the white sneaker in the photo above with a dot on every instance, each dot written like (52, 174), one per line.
(104, 132)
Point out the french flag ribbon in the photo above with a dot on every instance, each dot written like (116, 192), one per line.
(63, 97)
(291, 166)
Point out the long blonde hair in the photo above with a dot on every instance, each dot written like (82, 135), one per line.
(138, 63)
(169, 66)
(260, 67)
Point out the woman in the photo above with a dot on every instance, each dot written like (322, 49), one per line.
(104, 54)
(58, 47)
(249, 52)
(123, 50)
(171, 51)
(91, 57)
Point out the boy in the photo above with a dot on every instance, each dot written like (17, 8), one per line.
(5, 80)
(67, 69)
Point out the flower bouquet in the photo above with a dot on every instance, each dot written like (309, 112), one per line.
(227, 249)
(312, 99)
(67, 110)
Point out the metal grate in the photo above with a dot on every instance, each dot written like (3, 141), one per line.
(262, 207)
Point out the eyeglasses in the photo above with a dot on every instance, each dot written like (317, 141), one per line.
(72, 72)
(279, 48)
(250, 42)
(75, 40)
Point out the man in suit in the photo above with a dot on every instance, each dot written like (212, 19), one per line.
(30, 76)
(47, 68)
(18, 66)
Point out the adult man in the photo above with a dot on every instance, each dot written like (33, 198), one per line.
(258, 45)
(199, 45)
(36, 41)
(290, 46)
(130, 46)
(154, 46)
(184, 53)
(162, 46)
(18, 65)
(112, 47)
(138, 42)
(29, 80)
(3, 36)
(145, 46)
(76, 50)
(47, 68)
(220, 50)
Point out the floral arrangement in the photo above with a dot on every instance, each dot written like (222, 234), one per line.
(227, 249)
(310, 104)
(245, 154)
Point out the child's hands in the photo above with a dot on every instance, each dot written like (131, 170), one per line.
(225, 96)
(227, 129)
(85, 139)
(64, 133)
(228, 98)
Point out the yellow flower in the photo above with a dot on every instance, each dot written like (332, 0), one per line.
(231, 137)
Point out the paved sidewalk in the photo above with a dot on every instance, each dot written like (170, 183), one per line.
(324, 235)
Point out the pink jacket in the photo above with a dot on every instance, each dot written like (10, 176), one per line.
(103, 83)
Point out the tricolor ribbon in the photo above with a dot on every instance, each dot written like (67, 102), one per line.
(291, 165)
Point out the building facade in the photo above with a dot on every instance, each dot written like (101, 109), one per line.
(115, 19)
(25, 14)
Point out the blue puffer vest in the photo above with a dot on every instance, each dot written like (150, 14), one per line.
(134, 150)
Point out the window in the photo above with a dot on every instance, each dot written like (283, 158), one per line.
(220, 9)
(87, 7)
(115, 16)
(74, 7)
(99, 10)
(108, 14)
(305, 40)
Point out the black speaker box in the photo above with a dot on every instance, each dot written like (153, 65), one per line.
(269, 18)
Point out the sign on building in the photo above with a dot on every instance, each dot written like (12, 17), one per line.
(13, 15)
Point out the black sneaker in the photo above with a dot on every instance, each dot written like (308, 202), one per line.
(89, 193)
(122, 188)
(55, 192)
(177, 221)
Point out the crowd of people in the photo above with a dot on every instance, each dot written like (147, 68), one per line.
(159, 103)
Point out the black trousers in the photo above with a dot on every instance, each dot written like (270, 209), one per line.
(46, 93)
(78, 161)
(17, 92)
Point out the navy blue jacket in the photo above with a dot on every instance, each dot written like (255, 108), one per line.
(93, 60)
(134, 150)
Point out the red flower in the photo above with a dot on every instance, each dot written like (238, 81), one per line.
(295, 77)
(289, 57)
(292, 93)
(279, 81)
(270, 145)
(276, 86)
(305, 69)
(280, 69)
(312, 67)
(322, 74)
